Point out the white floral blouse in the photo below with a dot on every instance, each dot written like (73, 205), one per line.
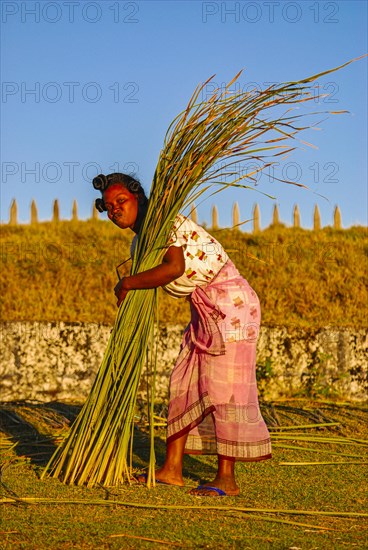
(204, 256)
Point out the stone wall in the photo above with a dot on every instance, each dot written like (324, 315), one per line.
(58, 361)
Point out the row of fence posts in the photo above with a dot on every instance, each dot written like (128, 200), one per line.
(256, 218)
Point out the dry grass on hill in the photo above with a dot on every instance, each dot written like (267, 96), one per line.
(66, 272)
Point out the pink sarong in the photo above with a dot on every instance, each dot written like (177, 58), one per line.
(213, 388)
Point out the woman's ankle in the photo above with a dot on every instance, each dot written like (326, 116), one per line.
(172, 467)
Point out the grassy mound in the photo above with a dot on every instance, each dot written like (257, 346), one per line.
(66, 272)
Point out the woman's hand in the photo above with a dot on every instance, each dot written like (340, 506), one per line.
(172, 267)
(120, 292)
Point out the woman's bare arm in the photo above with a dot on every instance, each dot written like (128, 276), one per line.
(171, 268)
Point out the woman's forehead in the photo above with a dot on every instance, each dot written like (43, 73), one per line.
(116, 189)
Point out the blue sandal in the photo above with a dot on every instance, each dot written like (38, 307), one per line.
(219, 492)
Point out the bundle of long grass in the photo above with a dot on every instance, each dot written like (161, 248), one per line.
(224, 129)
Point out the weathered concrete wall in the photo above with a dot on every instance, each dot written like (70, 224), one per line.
(58, 361)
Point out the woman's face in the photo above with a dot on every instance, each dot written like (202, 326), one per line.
(122, 205)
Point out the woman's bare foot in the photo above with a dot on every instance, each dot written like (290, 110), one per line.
(228, 485)
(165, 475)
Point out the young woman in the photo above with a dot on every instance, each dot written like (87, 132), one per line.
(213, 407)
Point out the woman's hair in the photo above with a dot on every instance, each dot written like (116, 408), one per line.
(102, 182)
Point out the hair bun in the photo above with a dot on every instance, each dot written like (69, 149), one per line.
(100, 182)
(134, 186)
(100, 205)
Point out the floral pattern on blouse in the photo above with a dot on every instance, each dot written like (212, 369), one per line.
(204, 256)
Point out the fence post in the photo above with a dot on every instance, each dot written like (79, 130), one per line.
(337, 218)
(13, 218)
(55, 211)
(95, 212)
(34, 213)
(337, 222)
(296, 216)
(256, 219)
(275, 215)
(214, 217)
(193, 213)
(236, 216)
(75, 211)
(316, 218)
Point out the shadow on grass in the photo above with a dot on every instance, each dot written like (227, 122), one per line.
(194, 467)
(34, 427)
(37, 429)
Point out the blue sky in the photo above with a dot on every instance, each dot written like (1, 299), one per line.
(90, 86)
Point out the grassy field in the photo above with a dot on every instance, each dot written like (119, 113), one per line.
(281, 506)
(66, 272)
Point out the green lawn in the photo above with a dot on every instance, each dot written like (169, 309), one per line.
(60, 517)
